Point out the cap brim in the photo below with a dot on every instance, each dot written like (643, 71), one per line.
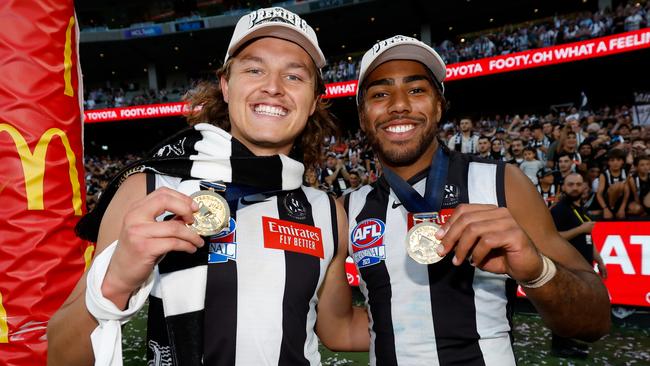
(286, 32)
(414, 52)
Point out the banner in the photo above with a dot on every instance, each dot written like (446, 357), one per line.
(137, 112)
(625, 249)
(42, 187)
(342, 89)
(570, 52)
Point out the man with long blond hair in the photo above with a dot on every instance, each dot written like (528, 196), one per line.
(242, 265)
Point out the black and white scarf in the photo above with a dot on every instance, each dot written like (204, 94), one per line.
(203, 152)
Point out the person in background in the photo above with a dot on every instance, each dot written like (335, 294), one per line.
(565, 167)
(530, 166)
(539, 141)
(546, 186)
(613, 192)
(497, 150)
(355, 182)
(516, 152)
(355, 165)
(465, 140)
(639, 186)
(335, 175)
(484, 147)
(574, 225)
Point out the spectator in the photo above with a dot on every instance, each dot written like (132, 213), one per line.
(516, 152)
(464, 141)
(497, 150)
(335, 175)
(639, 186)
(546, 186)
(574, 225)
(530, 166)
(565, 166)
(355, 182)
(612, 191)
(484, 147)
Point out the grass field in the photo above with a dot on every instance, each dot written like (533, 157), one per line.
(625, 345)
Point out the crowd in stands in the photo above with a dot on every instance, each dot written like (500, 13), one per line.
(603, 145)
(99, 172)
(110, 96)
(505, 40)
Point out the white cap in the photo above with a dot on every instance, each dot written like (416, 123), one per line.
(279, 23)
(402, 48)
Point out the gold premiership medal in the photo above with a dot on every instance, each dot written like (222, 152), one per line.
(213, 214)
(421, 243)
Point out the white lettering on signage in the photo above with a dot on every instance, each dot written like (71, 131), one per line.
(614, 253)
(338, 89)
(644, 241)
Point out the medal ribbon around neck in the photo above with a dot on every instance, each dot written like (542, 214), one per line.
(434, 191)
(421, 244)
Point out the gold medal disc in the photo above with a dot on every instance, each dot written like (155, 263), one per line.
(213, 214)
(421, 244)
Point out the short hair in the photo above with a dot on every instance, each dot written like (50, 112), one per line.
(638, 159)
(616, 154)
(531, 149)
(563, 154)
(483, 137)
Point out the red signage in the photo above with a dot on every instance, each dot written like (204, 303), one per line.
(570, 52)
(42, 185)
(597, 47)
(625, 249)
(342, 89)
(136, 112)
(292, 236)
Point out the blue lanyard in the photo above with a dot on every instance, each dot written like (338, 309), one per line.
(434, 191)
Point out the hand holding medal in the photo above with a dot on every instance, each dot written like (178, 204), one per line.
(490, 238)
(213, 213)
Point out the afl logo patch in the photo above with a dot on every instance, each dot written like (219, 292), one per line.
(368, 242)
(223, 246)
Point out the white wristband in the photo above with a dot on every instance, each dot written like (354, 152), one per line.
(107, 337)
(548, 272)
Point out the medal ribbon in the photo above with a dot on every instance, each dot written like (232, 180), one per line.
(434, 191)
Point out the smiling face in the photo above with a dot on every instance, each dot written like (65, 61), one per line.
(399, 113)
(270, 95)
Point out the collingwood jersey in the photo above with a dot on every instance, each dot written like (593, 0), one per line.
(435, 314)
(260, 298)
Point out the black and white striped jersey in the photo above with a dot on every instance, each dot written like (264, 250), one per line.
(261, 283)
(435, 314)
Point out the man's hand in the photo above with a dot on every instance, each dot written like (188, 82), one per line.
(143, 241)
(607, 213)
(492, 240)
(587, 227)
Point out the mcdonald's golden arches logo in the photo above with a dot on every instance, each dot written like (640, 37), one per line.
(33, 164)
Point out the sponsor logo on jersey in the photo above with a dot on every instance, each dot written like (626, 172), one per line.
(367, 240)
(223, 246)
(292, 237)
